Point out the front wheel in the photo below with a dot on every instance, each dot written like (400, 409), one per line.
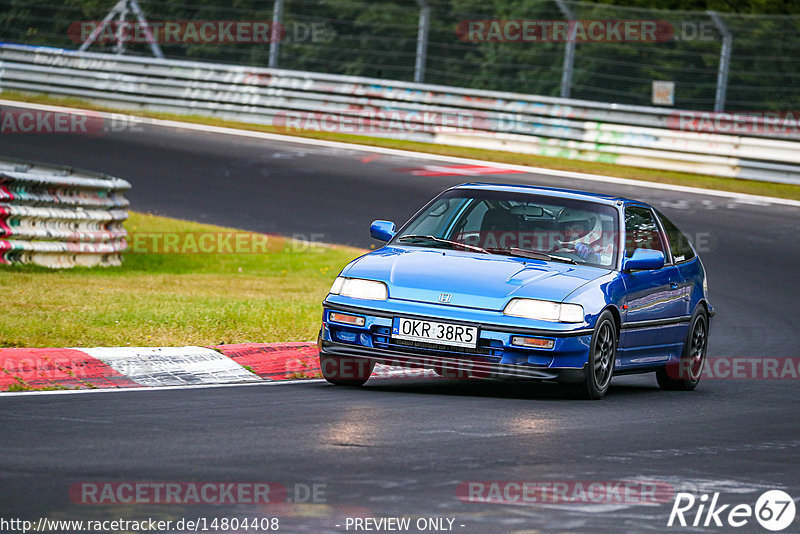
(345, 370)
(685, 375)
(602, 355)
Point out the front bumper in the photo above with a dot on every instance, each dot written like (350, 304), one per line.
(494, 356)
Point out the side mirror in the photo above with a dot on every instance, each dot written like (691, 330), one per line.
(644, 259)
(382, 230)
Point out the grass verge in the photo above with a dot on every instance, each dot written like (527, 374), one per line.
(751, 187)
(174, 299)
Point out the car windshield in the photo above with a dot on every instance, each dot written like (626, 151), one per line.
(517, 224)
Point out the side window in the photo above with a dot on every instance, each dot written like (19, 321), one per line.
(641, 231)
(678, 242)
(438, 218)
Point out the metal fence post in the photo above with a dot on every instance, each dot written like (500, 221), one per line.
(275, 35)
(154, 47)
(119, 48)
(569, 52)
(724, 61)
(121, 10)
(422, 40)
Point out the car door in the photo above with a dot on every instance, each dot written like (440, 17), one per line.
(688, 264)
(654, 307)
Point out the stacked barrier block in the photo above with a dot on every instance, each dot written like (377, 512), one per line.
(59, 217)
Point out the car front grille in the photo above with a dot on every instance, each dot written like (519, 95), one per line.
(434, 347)
(381, 338)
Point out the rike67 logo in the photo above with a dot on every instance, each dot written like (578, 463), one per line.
(774, 510)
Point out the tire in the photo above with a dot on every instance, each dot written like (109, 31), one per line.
(686, 374)
(345, 370)
(602, 355)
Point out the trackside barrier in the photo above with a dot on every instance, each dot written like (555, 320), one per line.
(60, 217)
(765, 148)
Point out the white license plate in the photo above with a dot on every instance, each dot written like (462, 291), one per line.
(454, 335)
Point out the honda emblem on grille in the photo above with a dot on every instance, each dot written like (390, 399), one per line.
(444, 298)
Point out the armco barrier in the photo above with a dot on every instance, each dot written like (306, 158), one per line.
(59, 217)
(591, 131)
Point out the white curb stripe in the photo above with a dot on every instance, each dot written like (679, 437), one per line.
(418, 155)
(172, 366)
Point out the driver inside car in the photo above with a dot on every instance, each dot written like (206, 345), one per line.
(580, 232)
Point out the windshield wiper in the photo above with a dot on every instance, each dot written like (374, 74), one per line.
(512, 251)
(435, 239)
(532, 254)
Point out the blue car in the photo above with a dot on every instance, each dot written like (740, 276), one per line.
(523, 282)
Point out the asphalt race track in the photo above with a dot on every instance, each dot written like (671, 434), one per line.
(402, 447)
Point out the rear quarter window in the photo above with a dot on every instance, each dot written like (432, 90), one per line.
(678, 242)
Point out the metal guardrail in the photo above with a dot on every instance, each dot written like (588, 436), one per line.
(648, 137)
(59, 217)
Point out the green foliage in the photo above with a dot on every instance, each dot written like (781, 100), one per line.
(173, 299)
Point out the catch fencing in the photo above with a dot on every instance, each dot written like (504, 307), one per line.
(59, 217)
(650, 137)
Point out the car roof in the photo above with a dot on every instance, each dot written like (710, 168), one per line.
(550, 191)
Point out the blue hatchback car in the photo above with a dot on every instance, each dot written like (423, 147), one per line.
(523, 282)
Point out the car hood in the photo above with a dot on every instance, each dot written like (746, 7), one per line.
(474, 280)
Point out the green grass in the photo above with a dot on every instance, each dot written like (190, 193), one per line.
(751, 187)
(172, 299)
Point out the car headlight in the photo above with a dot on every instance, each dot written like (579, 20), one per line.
(545, 310)
(336, 288)
(358, 288)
